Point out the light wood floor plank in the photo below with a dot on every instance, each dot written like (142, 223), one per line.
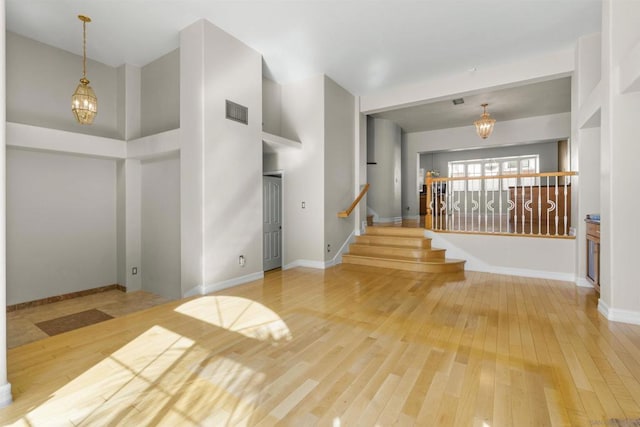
(350, 345)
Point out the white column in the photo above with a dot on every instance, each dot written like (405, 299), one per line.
(360, 164)
(5, 387)
(192, 86)
(129, 197)
(133, 224)
(619, 293)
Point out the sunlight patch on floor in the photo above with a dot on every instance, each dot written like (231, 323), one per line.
(121, 377)
(240, 315)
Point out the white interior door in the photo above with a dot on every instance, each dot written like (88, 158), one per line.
(272, 222)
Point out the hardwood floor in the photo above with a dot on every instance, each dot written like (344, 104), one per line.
(22, 324)
(347, 346)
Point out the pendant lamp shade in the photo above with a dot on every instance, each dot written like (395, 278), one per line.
(484, 126)
(84, 103)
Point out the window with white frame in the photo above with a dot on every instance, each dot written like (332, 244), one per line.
(494, 167)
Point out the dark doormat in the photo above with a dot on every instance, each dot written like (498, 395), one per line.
(73, 321)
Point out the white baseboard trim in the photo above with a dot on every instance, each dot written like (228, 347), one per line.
(522, 272)
(411, 217)
(5, 395)
(583, 283)
(388, 220)
(205, 289)
(618, 315)
(305, 263)
(213, 287)
(196, 290)
(603, 308)
(337, 259)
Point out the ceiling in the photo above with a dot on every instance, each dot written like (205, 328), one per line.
(367, 46)
(537, 99)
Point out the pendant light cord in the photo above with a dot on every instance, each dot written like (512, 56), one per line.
(84, 49)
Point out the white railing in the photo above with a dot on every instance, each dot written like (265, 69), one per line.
(537, 204)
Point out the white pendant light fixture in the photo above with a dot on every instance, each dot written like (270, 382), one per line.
(484, 126)
(84, 103)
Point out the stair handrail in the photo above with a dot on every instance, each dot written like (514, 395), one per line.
(347, 212)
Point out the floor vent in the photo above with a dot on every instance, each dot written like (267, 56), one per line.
(237, 112)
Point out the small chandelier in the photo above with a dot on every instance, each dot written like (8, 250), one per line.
(84, 103)
(484, 126)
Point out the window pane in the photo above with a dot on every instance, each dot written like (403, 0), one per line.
(509, 167)
(474, 169)
(491, 168)
(457, 170)
(528, 166)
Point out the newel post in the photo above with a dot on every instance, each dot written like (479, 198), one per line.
(428, 219)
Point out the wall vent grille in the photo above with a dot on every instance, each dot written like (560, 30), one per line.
(237, 112)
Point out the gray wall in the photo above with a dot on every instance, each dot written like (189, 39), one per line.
(61, 216)
(384, 196)
(41, 80)
(160, 94)
(339, 173)
(548, 152)
(160, 268)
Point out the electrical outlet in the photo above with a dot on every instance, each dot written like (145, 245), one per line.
(328, 248)
(304, 205)
(134, 271)
(241, 260)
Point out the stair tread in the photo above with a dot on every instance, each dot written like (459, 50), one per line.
(402, 249)
(395, 231)
(393, 240)
(368, 245)
(408, 259)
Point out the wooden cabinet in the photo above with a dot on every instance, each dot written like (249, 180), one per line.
(528, 200)
(593, 253)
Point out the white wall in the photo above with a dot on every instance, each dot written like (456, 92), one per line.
(128, 102)
(61, 211)
(543, 128)
(233, 159)
(191, 161)
(271, 108)
(5, 387)
(160, 269)
(360, 161)
(43, 78)
(520, 256)
(220, 160)
(385, 194)
(585, 146)
(303, 179)
(339, 171)
(160, 87)
(620, 150)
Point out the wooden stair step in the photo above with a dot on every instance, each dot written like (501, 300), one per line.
(408, 264)
(386, 240)
(395, 231)
(424, 254)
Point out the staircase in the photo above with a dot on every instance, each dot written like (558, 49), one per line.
(400, 248)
